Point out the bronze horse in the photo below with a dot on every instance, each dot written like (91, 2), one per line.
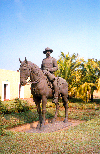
(41, 89)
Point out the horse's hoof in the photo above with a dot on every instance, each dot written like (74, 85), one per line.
(42, 127)
(65, 121)
(38, 126)
(53, 120)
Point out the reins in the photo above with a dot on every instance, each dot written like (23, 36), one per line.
(36, 81)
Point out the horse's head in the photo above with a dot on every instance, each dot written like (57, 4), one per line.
(24, 71)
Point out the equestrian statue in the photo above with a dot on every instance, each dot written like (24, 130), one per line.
(44, 85)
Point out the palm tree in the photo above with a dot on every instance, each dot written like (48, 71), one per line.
(68, 68)
(91, 74)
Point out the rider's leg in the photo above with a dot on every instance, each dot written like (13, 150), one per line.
(53, 80)
(55, 86)
(50, 76)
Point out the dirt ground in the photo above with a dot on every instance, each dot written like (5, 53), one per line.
(49, 127)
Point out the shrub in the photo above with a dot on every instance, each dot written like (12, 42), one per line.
(15, 106)
(21, 105)
(1, 128)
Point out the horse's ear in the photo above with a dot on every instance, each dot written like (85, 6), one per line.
(26, 60)
(20, 60)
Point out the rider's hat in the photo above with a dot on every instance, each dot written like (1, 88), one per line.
(47, 49)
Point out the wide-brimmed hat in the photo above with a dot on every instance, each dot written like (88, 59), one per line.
(47, 49)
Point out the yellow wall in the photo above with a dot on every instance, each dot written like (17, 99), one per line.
(96, 94)
(13, 79)
(27, 91)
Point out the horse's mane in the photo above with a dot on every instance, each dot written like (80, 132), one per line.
(35, 68)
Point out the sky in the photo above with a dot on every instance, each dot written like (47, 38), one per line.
(27, 27)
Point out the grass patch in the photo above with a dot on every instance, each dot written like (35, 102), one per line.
(77, 105)
(83, 138)
(83, 106)
(13, 119)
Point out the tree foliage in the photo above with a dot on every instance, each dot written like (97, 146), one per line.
(83, 77)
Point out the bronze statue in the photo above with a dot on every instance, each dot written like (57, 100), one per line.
(49, 66)
(41, 90)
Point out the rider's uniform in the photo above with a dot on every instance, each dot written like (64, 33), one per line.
(49, 66)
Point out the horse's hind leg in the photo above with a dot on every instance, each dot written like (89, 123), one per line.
(40, 115)
(65, 103)
(44, 101)
(56, 113)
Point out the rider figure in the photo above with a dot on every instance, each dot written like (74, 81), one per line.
(49, 66)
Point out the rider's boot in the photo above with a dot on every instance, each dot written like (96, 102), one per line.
(55, 99)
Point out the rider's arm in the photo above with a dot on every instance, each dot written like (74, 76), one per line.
(55, 66)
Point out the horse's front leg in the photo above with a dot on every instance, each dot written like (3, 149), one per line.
(44, 101)
(40, 115)
(37, 102)
(65, 103)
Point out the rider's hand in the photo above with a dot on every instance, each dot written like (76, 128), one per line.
(48, 69)
(45, 72)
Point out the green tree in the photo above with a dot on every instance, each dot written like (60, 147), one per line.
(82, 76)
